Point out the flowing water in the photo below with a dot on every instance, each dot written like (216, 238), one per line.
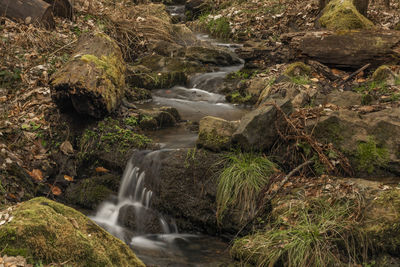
(153, 236)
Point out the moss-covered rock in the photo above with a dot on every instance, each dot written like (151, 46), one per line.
(215, 133)
(49, 232)
(90, 192)
(343, 15)
(297, 69)
(383, 73)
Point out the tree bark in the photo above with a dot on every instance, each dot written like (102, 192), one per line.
(28, 11)
(93, 81)
(343, 50)
(361, 5)
(61, 8)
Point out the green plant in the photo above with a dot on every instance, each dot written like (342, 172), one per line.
(369, 156)
(9, 78)
(240, 182)
(131, 121)
(316, 232)
(300, 80)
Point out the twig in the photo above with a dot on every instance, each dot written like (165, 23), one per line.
(283, 182)
(61, 48)
(354, 74)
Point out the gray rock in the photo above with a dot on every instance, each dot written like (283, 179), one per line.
(257, 130)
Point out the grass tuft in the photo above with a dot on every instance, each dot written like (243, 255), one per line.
(244, 176)
(318, 232)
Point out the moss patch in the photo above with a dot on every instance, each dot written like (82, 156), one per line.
(369, 156)
(46, 231)
(382, 73)
(297, 69)
(343, 15)
(213, 141)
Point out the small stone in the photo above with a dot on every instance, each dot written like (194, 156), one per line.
(2, 222)
(11, 218)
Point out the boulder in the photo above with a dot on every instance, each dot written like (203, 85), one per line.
(159, 117)
(215, 133)
(89, 193)
(52, 233)
(343, 15)
(145, 221)
(187, 190)
(213, 56)
(343, 99)
(370, 141)
(257, 130)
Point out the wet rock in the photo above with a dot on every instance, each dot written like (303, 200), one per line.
(89, 193)
(214, 56)
(146, 221)
(257, 130)
(187, 190)
(46, 231)
(216, 133)
(159, 117)
(371, 141)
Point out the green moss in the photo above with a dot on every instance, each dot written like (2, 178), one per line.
(157, 80)
(88, 193)
(369, 156)
(46, 231)
(238, 98)
(343, 15)
(218, 27)
(213, 141)
(297, 69)
(111, 65)
(382, 73)
(111, 135)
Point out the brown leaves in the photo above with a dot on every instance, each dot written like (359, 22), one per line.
(55, 190)
(68, 178)
(36, 174)
(67, 148)
(101, 170)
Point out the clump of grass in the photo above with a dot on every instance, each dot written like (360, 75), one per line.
(370, 156)
(244, 176)
(317, 232)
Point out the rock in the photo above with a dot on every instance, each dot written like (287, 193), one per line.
(45, 231)
(148, 221)
(370, 141)
(257, 130)
(343, 99)
(384, 74)
(194, 8)
(213, 56)
(159, 117)
(343, 15)
(297, 69)
(89, 193)
(187, 190)
(215, 133)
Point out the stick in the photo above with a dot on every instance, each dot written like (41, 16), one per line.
(283, 182)
(354, 74)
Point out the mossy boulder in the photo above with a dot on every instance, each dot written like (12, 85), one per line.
(46, 231)
(382, 222)
(343, 15)
(216, 133)
(384, 74)
(370, 141)
(162, 117)
(297, 69)
(89, 193)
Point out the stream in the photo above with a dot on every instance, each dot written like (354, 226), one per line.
(153, 236)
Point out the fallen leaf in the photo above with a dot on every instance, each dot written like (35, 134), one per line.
(315, 80)
(55, 190)
(68, 178)
(36, 174)
(67, 148)
(336, 71)
(101, 169)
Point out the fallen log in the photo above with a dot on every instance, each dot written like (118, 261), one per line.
(28, 11)
(346, 49)
(93, 81)
(61, 8)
